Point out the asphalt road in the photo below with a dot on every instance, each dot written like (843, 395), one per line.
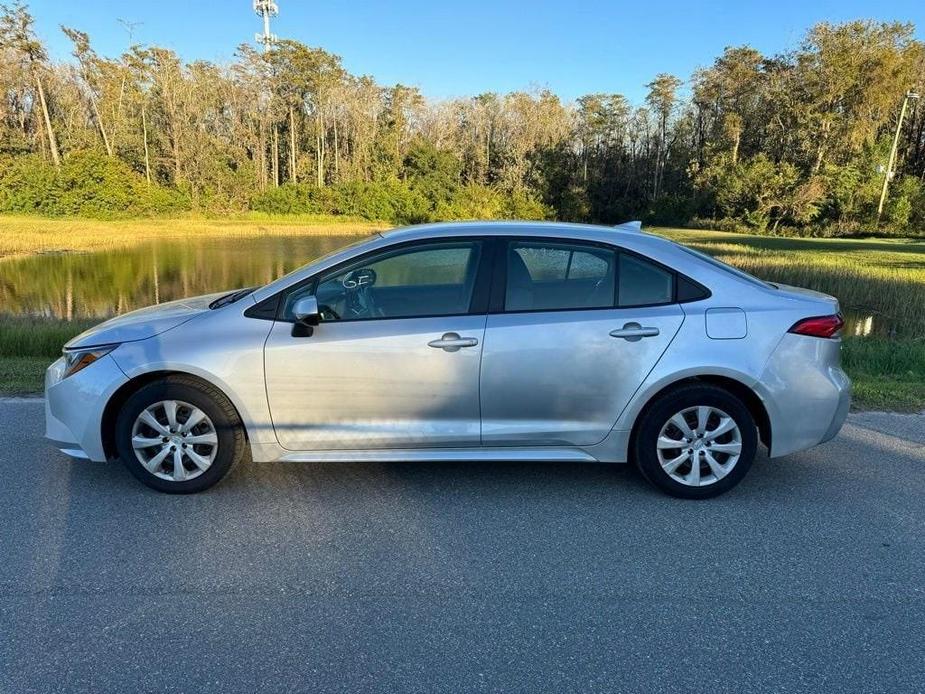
(464, 577)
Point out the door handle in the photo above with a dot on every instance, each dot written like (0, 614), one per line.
(452, 342)
(633, 332)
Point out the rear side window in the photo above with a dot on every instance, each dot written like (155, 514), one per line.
(642, 283)
(556, 276)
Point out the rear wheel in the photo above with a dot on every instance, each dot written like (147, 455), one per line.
(179, 435)
(696, 442)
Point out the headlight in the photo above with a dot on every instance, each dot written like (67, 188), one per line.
(75, 360)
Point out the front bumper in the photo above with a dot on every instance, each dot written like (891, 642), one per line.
(74, 406)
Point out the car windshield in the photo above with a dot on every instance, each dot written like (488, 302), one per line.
(320, 259)
(720, 265)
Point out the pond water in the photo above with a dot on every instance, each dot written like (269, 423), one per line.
(98, 285)
(79, 286)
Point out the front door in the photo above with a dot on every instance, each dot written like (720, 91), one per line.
(394, 362)
(581, 328)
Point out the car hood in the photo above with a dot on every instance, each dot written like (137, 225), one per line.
(144, 323)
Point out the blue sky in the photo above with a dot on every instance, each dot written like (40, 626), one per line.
(451, 49)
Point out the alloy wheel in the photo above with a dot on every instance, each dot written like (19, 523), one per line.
(698, 446)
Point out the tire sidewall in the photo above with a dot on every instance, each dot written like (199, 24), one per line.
(666, 406)
(225, 428)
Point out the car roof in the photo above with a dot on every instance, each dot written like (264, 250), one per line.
(590, 232)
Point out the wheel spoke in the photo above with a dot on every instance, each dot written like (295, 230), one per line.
(693, 477)
(143, 442)
(715, 467)
(156, 461)
(679, 421)
(179, 472)
(703, 416)
(152, 422)
(170, 409)
(726, 424)
(732, 448)
(673, 464)
(199, 461)
(194, 418)
(210, 439)
(710, 460)
(665, 442)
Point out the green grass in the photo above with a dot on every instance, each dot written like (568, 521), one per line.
(27, 347)
(879, 282)
(886, 374)
(880, 279)
(25, 235)
(22, 375)
(37, 337)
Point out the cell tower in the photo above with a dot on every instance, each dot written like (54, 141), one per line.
(266, 9)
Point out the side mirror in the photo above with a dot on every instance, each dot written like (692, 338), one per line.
(306, 314)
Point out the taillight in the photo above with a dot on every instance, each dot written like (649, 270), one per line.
(819, 326)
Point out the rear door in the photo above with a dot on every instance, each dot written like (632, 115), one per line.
(574, 330)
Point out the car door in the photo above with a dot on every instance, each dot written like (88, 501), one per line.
(579, 328)
(394, 361)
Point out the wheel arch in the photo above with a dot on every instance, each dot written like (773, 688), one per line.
(133, 385)
(746, 394)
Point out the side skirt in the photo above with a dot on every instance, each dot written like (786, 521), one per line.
(500, 453)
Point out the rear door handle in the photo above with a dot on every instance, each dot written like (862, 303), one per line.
(452, 342)
(633, 332)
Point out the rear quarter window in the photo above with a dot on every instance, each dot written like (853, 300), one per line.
(642, 283)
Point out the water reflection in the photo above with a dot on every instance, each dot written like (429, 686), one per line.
(75, 286)
(859, 326)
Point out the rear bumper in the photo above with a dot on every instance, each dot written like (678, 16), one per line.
(74, 406)
(806, 393)
(841, 410)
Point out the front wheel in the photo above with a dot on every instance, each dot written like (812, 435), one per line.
(696, 442)
(179, 435)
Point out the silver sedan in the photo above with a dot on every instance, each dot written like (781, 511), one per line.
(475, 341)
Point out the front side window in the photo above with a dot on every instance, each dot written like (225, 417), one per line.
(417, 281)
(555, 276)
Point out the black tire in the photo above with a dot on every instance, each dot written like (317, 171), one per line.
(657, 414)
(232, 444)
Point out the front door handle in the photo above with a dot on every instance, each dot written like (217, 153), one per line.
(452, 342)
(633, 332)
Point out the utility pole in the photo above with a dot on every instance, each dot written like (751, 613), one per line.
(910, 96)
(266, 9)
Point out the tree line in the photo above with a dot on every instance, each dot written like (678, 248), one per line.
(792, 143)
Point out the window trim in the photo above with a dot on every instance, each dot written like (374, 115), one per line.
(489, 290)
(499, 277)
(478, 303)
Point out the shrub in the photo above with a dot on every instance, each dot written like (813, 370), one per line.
(88, 184)
(295, 198)
(519, 205)
(25, 184)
